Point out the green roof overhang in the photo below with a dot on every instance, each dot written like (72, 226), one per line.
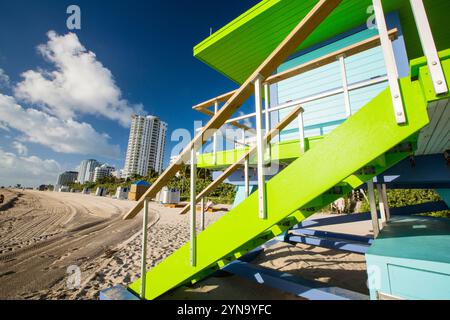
(238, 48)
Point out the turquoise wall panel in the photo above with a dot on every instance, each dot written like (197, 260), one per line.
(360, 97)
(324, 115)
(365, 65)
(415, 284)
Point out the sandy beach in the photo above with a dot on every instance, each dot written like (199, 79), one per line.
(42, 234)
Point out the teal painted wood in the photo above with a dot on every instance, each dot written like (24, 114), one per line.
(324, 115)
(340, 44)
(240, 194)
(359, 98)
(411, 259)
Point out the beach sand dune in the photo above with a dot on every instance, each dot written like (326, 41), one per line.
(45, 233)
(42, 234)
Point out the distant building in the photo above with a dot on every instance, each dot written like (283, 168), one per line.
(118, 174)
(67, 178)
(146, 145)
(103, 171)
(86, 171)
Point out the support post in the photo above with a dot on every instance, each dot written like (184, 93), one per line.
(246, 178)
(429, 47)
(389, 59)
(301, 131)
(144, 249)
(202, 212)
(193, 248)
(267, 107)
(216, 109)
(267, 116)
(260, 148)
(385, 201)
(348, 109)
(373, 208)
(381, 206)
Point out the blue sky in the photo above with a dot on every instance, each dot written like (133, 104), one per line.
(137, 56)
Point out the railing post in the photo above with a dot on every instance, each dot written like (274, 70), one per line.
(193, 247)
(246, 178)
(301, 131)
(429, 47)
(267, 106)
(389, 59)
(373, 208)
(144, 249)
(267, 116)
(385, 201)
(260, 148)
(216, 109)
(381, 205)
(348, 109)
(202, 221)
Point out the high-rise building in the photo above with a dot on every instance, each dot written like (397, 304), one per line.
(66, 178)
(86, 171)
(146, 145)
(103, 171)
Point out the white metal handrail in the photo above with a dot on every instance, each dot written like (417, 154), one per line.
(313, 98)
(390, 62)
(429, 47)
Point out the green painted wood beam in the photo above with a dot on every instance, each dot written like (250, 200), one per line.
(239, 47)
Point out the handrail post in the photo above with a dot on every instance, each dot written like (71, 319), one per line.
(144, 249)
(385, 201)
(389, 59)
(202, 211)
(429, 47)
(193, 231)
(267, 117)
(381, 205)
(348, 108)
(216, 109)
(246, 177)
(267, 106)
(373, 208)
(260, 148)
(301, 132)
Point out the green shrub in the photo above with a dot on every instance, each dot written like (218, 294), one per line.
(406, 197)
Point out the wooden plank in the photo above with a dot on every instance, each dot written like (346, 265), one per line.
(327, 59)
(269, 136)
(233, 123)
(222, 98)
(434, 122)
(330, 58)
(425, 133)
(439, 139)
(288, 46)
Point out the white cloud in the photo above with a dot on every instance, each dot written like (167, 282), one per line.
(247, 122)
(28, 171)
(80, 84)
(21, 149)
(4, 79)
(65, 136)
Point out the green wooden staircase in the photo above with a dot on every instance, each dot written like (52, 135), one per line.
(364, 146)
